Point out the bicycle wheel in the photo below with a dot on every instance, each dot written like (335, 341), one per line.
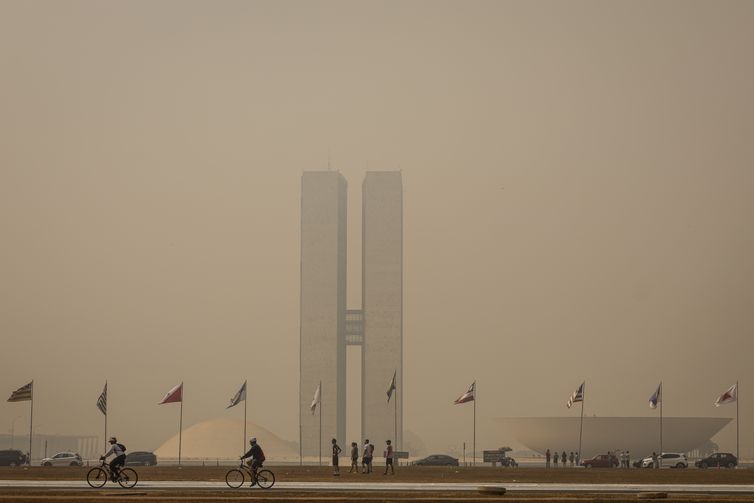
(265, 479)
(128, 478)
(234, 478)
(96, 477)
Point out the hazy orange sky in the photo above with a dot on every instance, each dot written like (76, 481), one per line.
(578, 199)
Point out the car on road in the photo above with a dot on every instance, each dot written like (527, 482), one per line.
(601, 461)
(141, 458)
(509, 462)
(437, 460)
(718, 460)
(668, 460)
(63, 459)
(12, 457)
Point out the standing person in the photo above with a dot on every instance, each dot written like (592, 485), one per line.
(354, 458)
(555, 459)
(336, 450)
(119, 460)
(578, 459)
(389, 458)
(628, 459)
(366, 460)
(547, 458)
(571, 458)
(655, 462)
(563, 459)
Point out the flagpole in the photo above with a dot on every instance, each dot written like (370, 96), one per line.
(737, 395)
(245, 402)
(105, 417)
(395, 391)
(180, 428)
(662, 399)
(320, 423)
(473, 447)
(581, 423)
(31, 422)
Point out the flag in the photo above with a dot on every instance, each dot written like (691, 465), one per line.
(174, 395)
(102, 400)
(577, 396)
(391, 388)
(656, 397)
(316, 400)
(731, 395)
(239, 397)
(23, 393)
(468, 396)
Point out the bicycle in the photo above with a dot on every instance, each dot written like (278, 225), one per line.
(99, 475)
(236, 477)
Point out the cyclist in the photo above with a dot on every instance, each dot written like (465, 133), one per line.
(256, 459)
(120, 457)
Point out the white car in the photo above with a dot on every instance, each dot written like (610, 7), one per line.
(669, 460)
(64, 459)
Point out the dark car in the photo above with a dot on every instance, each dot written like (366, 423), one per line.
(141, 458)
(718, 460)
(437, 460)
(12, 457)
(601, 461)
(510, 462)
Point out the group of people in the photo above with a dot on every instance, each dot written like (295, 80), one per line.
(573, 458)
(367, 455)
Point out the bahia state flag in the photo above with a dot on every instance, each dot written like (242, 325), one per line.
(468, 396)
(656, 397)
(576, 396)
(22, 394)
(730, 396)
(102, 400)
(239, 397)
(391, 388)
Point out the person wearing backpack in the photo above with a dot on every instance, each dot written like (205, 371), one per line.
(119, 460)
(256, 459)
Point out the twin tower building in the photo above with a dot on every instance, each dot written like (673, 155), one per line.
(328, 326)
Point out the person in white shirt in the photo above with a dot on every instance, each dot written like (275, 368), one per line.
(120, 457)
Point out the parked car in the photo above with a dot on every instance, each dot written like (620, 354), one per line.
(601, 461)
(437, 460)
(141, 458)
(63, 459)
(510, 462)
(669, 460)
(718, 460)
(12, 457)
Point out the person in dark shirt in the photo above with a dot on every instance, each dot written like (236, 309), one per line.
(256, 459)
(354, 458)
(336, 450)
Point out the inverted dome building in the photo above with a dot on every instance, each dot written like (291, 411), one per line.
(222, 439)
(640, 435)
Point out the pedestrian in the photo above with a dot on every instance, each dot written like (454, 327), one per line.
(628, 459)
(336, 450)
(578, 459)
(389, 457)
(563, 458)
(365, 468)
(354, 458)
(555, 459)
(571, 458)
(655, 462)
(547, 458)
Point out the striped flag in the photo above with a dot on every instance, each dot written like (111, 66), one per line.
(731, 395)
(317, 398)
(22, 394)
(239, 397)
(174, 395)
(468, 396)
(577, 396)
(656, 397)
(102, 400)
(391, 388)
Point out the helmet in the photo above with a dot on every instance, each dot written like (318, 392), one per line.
(253, 440)
(113, 440)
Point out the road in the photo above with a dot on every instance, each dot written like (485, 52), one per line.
(407, 486)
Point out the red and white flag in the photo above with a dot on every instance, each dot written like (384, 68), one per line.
(731, 395)
(174, 395)
(468, 396)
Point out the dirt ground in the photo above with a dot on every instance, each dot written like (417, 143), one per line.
(415, 474)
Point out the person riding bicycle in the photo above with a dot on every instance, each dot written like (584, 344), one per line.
(120, 457)
(256, 459)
